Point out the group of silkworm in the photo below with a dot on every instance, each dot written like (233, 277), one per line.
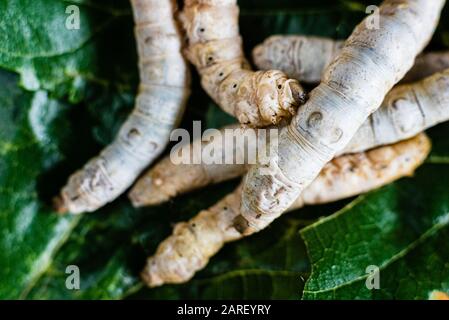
(355, 131)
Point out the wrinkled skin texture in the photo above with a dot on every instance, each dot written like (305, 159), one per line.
(256, 99)
(370, 63)
(306, 57)
(407, 110)
(193, 243)
(160, 103)
(300, 57)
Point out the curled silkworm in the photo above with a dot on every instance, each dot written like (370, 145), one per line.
(256, 99)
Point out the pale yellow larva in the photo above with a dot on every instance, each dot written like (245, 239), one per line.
(193, 243)
(407, 110)
(256, 99)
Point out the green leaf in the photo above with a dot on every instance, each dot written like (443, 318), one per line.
(236, 284)
(31, 128)
(92, 71)
(65, 61)
(110, 269)
(401, 229)
(35, 42)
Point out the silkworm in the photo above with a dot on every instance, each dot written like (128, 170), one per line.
(160, 103)
(193, 243)
(407, 110)
(370, 63)
(306, 57)
(256, 99)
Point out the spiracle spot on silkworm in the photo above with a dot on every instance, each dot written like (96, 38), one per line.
(314, 119)
(395, 103)
(153, 146)
(133, 133)
(240, 224)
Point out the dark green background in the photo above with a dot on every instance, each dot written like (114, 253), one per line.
(64, 94)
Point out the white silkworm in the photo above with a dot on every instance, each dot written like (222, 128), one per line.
(372, 60)
(193, 243)
(407, 110)
(160, 103)
(306, 57)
